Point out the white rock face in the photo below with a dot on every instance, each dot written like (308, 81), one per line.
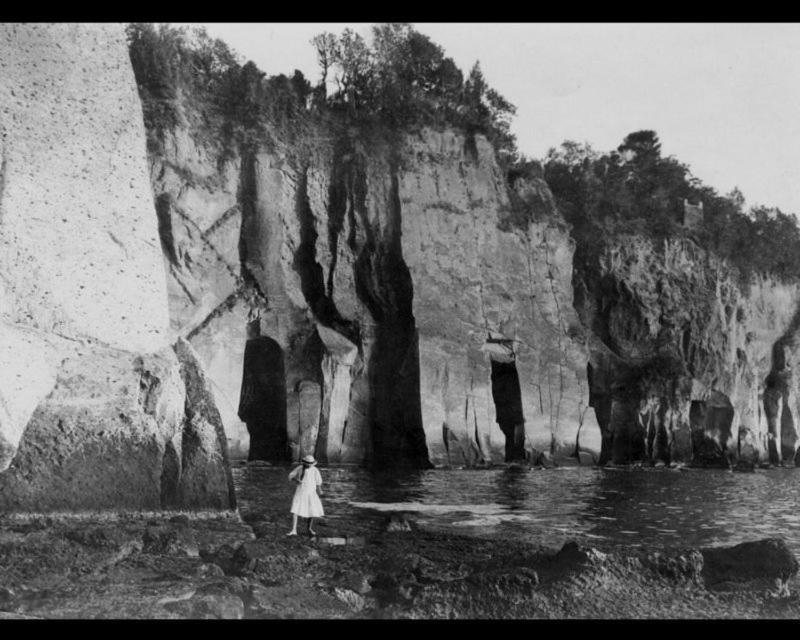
(26, 377)
(476, 278)
(327, 245)
(97, 411)
(79, 249)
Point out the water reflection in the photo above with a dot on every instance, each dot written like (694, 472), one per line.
(511, 488)
(607, 508)
(399, 486)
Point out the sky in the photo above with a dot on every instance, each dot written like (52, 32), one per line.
(723, 98)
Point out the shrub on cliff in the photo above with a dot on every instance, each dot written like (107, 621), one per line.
(234, 100)
(398, 82)
(634, 189)
(403, 80)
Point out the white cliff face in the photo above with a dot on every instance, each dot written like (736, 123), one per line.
(381, 282)
(415, 297)
(27, 376)
(79, 249)
(473, 283)
(199, 222)
(96, 409)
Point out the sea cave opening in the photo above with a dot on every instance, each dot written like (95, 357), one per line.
(262, 403)
(507, 398)
(711, 423)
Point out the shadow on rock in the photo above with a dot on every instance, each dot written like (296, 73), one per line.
(767, 561)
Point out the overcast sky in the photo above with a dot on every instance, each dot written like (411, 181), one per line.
(723, 98)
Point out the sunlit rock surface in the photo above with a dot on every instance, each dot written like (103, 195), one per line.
(94, 409)
(389, 275)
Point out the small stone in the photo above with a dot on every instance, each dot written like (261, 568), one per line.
(213, 606)
(356, 581)
(352, 599)
(209, 570)
(259, 599)
(98, 537)
(182, 520)
(397, 523)
(223, 557)
(7, 615)
(170, 540)
(356, 541)
(6, 595)
(226, 585)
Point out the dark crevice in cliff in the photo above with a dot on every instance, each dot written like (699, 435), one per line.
(262, 404)
(507, 398)
(601, 403)
(312, 280)
(788, 433)
(226, 305)
(170, 477)
(657, 439)
(638, 380)
(247, 196)
(781, 428)
(221, 221)
(163, 211)
(628, 439)
(337, 209)
(711, 423)
(383, 284)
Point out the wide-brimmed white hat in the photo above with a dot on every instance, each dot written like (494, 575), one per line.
(309, 460)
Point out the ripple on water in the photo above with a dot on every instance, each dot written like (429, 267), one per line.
(658, 507)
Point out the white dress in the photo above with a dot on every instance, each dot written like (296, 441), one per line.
(306, 502)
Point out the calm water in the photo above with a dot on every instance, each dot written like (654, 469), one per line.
(603, 507)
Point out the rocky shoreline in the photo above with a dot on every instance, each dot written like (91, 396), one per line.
(223, 566)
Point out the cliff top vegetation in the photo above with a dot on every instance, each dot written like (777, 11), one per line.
(398, 81)
(635, 189)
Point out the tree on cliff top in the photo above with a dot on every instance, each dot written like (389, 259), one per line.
(234, 100)
(403, 79)
(400, 80)
(634, 189)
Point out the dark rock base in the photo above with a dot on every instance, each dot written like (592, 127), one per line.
(217, 567)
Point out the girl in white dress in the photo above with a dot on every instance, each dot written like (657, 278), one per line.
(306, 502)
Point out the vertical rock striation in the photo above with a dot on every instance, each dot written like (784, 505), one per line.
(492, 283)
(419, 308)
(689, 362)
(383, 272)
(94, 409)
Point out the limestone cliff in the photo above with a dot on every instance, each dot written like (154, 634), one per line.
(96, 408)
(375, 295)
(690, 361)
